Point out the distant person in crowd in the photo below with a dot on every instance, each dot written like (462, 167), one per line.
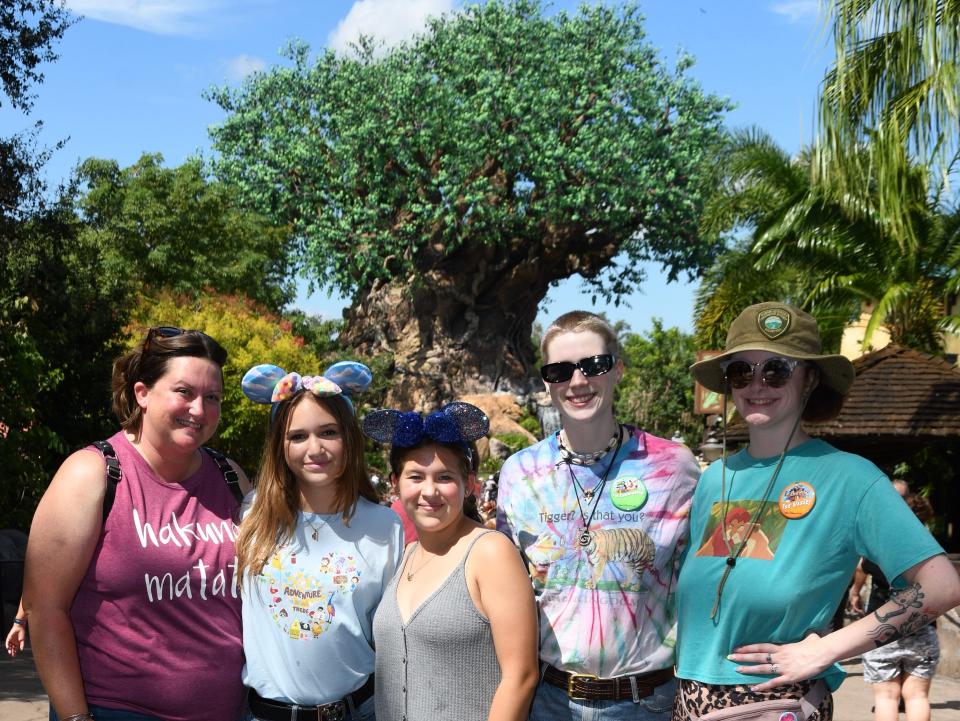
(902, 670)
(488, 501)
(599, 510)
(315, 553)
(129, 587)
(409, 529)
(751, 628)
(17, 636)
(880, 587)
(456, 632)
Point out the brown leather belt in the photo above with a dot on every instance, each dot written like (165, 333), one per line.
(587, 687)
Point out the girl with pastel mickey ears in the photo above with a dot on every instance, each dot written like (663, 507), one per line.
(315, 551)
(456, 633)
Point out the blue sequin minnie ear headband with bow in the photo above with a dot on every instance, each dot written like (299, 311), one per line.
(456, 422)
(266, 383)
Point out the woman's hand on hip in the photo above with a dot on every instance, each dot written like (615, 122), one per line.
(787, 663)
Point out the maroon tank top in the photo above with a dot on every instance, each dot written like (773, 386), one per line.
(157, 615)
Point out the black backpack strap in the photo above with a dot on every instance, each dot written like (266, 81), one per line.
(229, 475)
(114, 475)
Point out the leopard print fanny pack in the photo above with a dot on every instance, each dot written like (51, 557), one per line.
(810, 701)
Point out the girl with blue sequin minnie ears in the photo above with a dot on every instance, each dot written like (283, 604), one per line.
(315, 551)
(456, 632)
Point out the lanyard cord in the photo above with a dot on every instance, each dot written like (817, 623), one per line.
(725, 497)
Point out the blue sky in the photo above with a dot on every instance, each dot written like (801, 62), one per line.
(131, 75)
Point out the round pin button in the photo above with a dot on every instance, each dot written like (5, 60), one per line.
(628, 493)
(797, 500)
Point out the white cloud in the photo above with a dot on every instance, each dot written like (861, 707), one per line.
(164, 17)
(243, 65)
(797, 10)
(389, 21)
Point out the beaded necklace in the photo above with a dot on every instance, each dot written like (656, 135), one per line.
(585, 459)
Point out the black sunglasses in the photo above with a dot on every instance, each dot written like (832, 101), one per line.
(774, 372)
(167, 331)
(561, 372)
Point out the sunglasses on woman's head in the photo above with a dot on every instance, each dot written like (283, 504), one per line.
(168, 331)
(165, 331)
(774, 372)
(561, 372)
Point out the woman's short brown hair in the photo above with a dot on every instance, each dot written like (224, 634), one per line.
(148, 362)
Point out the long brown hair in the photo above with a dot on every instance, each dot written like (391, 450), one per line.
(272, 517)
(147, 363)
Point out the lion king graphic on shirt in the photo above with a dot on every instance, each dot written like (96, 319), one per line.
(732, 521)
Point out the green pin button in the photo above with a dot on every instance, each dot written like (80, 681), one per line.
(628, 493)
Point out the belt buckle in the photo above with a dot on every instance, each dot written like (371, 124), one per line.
(572, 679)
(333, 711)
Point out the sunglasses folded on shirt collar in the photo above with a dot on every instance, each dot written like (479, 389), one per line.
(562, 371)
(774, 372)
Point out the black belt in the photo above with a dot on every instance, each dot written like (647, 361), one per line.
(587, 687)
(270, 710)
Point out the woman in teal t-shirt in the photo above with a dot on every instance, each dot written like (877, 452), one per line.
(777, 530)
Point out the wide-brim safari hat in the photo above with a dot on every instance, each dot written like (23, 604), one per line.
(782, 329)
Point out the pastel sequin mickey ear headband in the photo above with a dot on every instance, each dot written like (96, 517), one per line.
(266, 383)
(456, 422)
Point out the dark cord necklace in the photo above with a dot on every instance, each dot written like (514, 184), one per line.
(595, 494)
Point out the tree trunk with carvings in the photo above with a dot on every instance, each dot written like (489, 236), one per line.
(465, 327)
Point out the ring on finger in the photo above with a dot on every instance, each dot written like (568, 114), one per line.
(775, 670)
(770, 658)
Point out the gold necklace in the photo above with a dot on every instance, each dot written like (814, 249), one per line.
(423, 565)
(316, 529)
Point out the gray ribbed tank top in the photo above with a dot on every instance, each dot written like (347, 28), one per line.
(441, 664)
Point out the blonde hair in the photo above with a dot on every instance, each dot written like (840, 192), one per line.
(272, 518)
(581, 321)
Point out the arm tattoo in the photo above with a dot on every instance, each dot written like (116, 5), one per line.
(909, 597)
(887, 632)
(905, 599)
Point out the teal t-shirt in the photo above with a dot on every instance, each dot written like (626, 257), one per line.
(794, 571)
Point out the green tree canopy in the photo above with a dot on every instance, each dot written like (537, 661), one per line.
(656, 392)
(447, 183)
(29, 31)
(174, 228)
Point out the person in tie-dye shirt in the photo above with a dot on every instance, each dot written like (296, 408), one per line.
(599, 511)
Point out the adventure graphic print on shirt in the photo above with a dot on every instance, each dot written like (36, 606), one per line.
(303, 601)
(730, 523)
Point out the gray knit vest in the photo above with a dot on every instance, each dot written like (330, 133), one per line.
(441, 664)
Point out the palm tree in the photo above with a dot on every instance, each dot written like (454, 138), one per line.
(894, 92)
(828, 250)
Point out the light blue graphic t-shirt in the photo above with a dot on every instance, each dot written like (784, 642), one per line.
(308, 616)
(826, 509)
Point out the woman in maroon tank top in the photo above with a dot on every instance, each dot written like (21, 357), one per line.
(134, 612)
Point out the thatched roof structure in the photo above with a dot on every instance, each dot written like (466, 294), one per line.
(902, 399)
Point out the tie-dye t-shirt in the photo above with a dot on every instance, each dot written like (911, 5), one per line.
(308, 616)
(605, 605)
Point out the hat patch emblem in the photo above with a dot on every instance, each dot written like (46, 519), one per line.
(773, 322)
